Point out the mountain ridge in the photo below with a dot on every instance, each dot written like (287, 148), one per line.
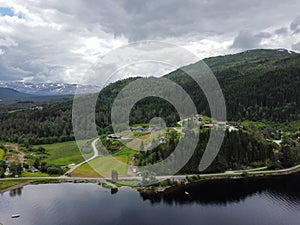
(47, 89)
(260, 86)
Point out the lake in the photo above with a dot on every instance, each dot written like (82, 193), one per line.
(274, 201)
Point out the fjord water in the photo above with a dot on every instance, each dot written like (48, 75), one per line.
(274, 201)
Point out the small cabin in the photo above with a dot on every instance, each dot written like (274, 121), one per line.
(139, 174)
(221, 123)
(141, 129)
(198, 117)
(114, 137)
(163, 140)
(208, 125)
(34, 170)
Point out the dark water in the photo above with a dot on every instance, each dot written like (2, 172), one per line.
(273, 201)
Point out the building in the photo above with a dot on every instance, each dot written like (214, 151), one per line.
(154, 129)
(139, 174)
(141, 129)
(114, 137)
(221, 123)
(239, 127)
(231, 128)
(34, 170)
(208, 125)
(198, 117)
(163, 140)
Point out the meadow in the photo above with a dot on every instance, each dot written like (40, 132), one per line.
(2, 154)
(102, 166)
(64, 153)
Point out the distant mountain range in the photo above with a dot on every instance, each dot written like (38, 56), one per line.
(48, 89)
(11, 96)
(8, 95)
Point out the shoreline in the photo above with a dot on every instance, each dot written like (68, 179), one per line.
(250, 176)
(159, 189)
(2, 191)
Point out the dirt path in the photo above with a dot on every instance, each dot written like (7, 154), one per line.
(18, 157)
(96, 154)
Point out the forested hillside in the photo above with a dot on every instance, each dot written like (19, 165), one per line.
(240, 149)
(257, 85)
(33, 126)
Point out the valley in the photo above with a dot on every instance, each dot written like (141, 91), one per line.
(262, 128)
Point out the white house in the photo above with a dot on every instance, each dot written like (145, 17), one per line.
(163, 140)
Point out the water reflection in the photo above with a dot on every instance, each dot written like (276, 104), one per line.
(284, 189)
(16, 192)
(264, 201)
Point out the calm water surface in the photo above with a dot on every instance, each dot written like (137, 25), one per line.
(267, 202)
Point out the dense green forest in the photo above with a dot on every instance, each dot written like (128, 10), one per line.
(257, 85)
(232, 154)
(50, 125)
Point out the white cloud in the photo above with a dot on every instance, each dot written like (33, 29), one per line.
(59, 40)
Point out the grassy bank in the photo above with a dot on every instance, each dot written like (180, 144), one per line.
(2, 154)
(104, 165)
(64, 153)
(5, 184)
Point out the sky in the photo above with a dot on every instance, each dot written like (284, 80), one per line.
(59, 41)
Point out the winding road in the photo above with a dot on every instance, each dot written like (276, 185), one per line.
(257, 171)
(96, 154)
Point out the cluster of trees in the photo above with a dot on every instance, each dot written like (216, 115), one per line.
(239, 149)
(51, 169)
(31, 127)
(15, 169)
(290, 153)
(2, 168)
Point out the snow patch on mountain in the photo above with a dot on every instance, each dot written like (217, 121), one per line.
(50, 88)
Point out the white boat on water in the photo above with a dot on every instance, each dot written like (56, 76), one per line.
(15, 216)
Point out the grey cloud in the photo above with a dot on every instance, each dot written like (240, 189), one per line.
(295, 25)
(248, 40)
(46, 53)
(156, 19)
(296, 46)
(282, 31)
(262, 35)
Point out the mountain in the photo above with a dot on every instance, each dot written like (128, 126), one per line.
(257, 85)
(46, 89)
(8, 95)
(12, 99)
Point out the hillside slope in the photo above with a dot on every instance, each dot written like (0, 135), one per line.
(8, 95)
(257, 85)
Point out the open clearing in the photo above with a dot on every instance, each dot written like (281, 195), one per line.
(104, 165)
(64, 153)
(2, 154)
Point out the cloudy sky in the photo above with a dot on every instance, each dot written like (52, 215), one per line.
(58, 41)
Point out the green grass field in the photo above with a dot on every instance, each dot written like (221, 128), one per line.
(103, 165)
(10, 183)
(85, 171)
(36, 174)
(2, 154)
(63, 153)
